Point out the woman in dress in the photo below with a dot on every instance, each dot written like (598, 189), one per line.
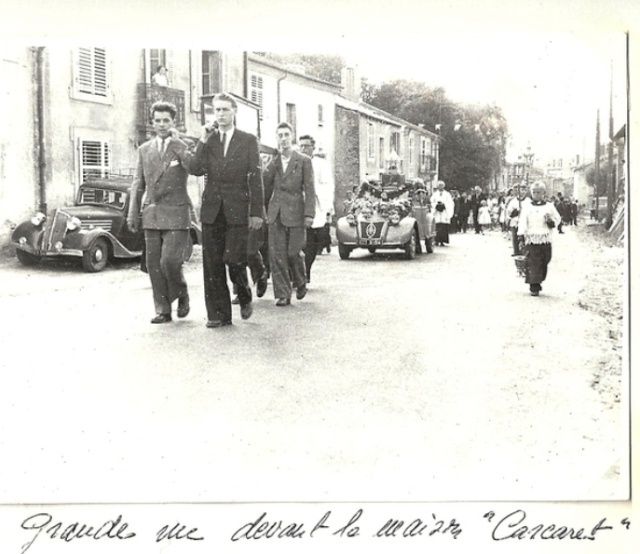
(536, 223)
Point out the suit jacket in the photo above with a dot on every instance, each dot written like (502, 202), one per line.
(166, 203)
(234, 181)
(292, 191)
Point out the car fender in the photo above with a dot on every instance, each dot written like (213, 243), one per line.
(32, 233)
(82, 240)
(345, 232)
(401, 233)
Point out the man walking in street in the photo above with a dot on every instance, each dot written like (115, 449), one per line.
(442, 203)
(232, 203)
(291, 210)
(474, 204)
(166, 212)
(324, 204)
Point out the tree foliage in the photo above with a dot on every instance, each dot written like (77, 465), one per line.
(603, 176)
(322, 66)
(473, 142)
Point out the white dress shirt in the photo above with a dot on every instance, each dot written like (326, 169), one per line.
(227, 138)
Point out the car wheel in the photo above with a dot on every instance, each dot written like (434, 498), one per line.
(410, 248)
(344, 251)
(371, 249)
(95, 258)
(428, 243)
(27, 258)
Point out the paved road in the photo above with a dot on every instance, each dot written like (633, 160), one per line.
(438, 378)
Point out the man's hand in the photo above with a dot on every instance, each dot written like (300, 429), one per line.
(132, 223)
(207, 130)
(175, 134)
(308, 221)
(255, 222)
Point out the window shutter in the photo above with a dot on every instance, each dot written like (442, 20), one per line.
(100, 71)
(92, 72)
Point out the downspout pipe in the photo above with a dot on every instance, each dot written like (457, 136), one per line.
(40, 142)
(280, 79)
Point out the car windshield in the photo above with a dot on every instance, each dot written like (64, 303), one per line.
(107, 197)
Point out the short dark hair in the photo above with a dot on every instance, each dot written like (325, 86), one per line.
(223, 96)
(284, 125)
(308, 137)
(162, 106)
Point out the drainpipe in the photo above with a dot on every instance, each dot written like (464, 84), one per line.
(284, 76)
(245, 76)
(39, 128)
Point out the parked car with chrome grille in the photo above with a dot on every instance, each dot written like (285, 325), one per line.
(381, 216)
(94, 229)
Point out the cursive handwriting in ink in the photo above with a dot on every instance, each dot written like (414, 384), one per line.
(350, 529)
(321, 524)
(260, 529)
(177, 532)
(418, 527)
(512, 526)
(42, 523)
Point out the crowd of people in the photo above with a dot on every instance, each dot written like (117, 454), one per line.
(271, 219)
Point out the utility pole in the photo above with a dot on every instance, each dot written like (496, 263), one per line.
(610, 173)
(596, 168)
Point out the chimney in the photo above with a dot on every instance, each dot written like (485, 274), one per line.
(351, 83)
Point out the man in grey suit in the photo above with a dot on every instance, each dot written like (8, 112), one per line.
(166, 212)
(291, 210)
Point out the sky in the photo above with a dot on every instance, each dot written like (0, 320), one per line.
(548, 84)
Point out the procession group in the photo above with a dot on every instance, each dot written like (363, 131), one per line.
(527, 214)
(244, 208)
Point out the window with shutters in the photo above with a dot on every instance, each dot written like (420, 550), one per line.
(394, 145)
(256, 88)
(381, 153)
(423, 152)
(291, 120)
(371, 153)
(91, 75)
(157, 58)
(211, 72)
(95, 159)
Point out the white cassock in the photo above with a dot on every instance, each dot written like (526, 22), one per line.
(446, 198)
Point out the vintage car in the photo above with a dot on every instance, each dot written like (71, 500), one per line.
(386, 214)
(94, 229)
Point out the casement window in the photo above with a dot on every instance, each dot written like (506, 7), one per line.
(95, 159)
(91, 75)
(423, 152)
(320, 115)
(371, 152)
(256, 88)
(394, 145)
(157, 57)
(381, 153)
(211, 72)
(291, 120)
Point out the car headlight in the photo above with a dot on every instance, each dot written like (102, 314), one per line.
(73, 224)
(394, 219)
(38, 219)
(58, 246)
(22, 240)
(351, 220)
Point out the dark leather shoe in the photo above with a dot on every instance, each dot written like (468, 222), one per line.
(183, 306)
(235, 300)
(246, 310)
(301, 292)
(283, 302)
(261, 287)
(161, 318)
(214, 323)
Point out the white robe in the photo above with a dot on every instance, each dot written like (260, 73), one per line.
(446, 198)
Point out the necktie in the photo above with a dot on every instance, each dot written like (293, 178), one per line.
(163, 146)
(223, 140)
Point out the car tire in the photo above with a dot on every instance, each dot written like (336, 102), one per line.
(343, 251)
(94, 258)
(428, 244)
(27, 258)
(411, 246)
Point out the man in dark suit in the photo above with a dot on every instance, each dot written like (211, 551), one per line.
(232, 203)
(291, 210)
(474, 205)
(166, 212)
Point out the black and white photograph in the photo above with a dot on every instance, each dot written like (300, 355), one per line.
(390, 266)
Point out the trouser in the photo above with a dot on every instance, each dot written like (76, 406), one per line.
(286, 257)
(514, 241)
(165, 252)
(464, 222)
(257, 253)
(476, 223)
(224, 244)
(315, 243)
